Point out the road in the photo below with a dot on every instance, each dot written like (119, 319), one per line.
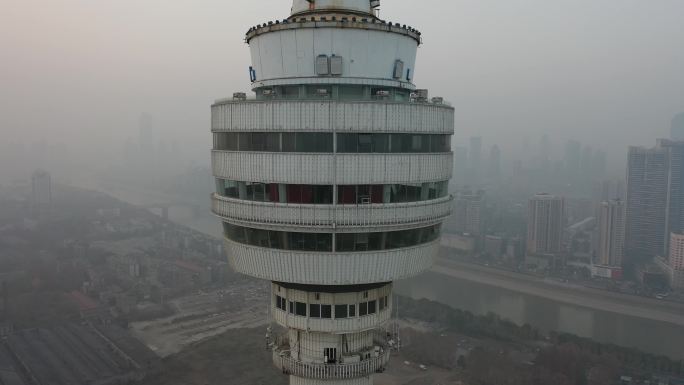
(635, 306)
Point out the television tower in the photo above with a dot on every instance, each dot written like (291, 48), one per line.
(332, 182)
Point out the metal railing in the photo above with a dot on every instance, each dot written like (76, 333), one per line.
(327, 215)
(320, 371)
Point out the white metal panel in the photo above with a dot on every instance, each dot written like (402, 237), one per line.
(358, 54)
(305, 56)
(270, 48)
(292, 168)
(393, 168)
(373, 53)
(323, 41)
(330, 268)
(288, 41)
(322, 117)
(384, 53)
(394, 117)
(338, 114)
(367, 120)
(255, 52)
(308, 116)
(352, 116)
(281, 115)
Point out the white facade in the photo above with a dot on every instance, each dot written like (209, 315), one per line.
(311, 268)
(363, 53)
(323, 169)
(325, 116)
(334, 220)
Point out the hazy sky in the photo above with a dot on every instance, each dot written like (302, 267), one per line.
(606, 71)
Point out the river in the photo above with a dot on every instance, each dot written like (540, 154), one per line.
(647, 335)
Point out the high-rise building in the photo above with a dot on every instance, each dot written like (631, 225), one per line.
(146, 141)
(494, 166)
(675, 263)
(332, 183)
(460, 166)
(674, 220)
(655, 203)
(573, 158)
(611, 233)
(647, 174)
(677, 131)
(677, 251)
(475, 159)
(600, 164)
(587, 161)
(545, 224)
(468, 213)
(544, 161)
(41, 188)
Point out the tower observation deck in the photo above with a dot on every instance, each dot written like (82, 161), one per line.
(332, 182)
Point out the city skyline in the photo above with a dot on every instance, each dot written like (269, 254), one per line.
(93, 90)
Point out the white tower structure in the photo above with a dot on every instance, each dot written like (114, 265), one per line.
(332, 182)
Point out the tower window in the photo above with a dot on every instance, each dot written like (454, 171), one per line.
(341, 311)
(301, 309)
(326, 311)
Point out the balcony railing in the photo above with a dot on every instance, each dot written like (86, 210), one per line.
(332, 216)
(320, 371)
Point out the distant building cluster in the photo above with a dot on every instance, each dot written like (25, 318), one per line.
(608, 228)
(655, 205)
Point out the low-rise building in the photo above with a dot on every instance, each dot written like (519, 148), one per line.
(462, 243)
(493, 246)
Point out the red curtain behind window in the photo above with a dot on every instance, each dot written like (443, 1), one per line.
(347, 195)
(307, 194)
(273, 192)
(376, 194)
(294, 193)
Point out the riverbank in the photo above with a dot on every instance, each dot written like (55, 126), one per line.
(581, 296)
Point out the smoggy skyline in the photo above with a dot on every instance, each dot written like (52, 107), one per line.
(607, 73)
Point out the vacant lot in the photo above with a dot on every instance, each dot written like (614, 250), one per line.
(237, 357)
(205, 315)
